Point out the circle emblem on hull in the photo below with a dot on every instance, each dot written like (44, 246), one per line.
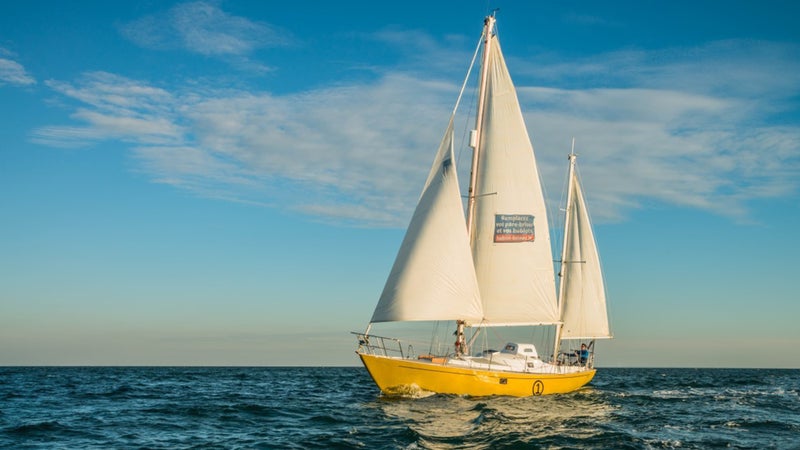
(538, 387)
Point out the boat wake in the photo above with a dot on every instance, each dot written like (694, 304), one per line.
(407, 391)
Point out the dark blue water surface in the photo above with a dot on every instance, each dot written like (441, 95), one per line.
(178, 408)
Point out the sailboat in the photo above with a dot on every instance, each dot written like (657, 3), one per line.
(493, 268)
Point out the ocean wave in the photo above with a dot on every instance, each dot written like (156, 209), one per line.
(341, 408)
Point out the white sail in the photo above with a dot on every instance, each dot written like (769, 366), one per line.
(584, 296)
(433, 277)
(511, 242)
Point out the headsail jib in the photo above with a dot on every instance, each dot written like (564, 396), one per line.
(433, 277)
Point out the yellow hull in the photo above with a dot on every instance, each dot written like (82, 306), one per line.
(399, 376)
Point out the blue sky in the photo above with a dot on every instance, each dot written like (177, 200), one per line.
(228, 182)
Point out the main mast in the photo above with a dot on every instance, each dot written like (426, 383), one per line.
(488, 27)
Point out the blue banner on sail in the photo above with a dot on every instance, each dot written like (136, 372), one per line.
(513, 228)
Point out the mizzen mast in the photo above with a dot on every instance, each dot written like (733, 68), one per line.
(561, 274)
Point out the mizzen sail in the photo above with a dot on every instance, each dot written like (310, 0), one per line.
(584, 295)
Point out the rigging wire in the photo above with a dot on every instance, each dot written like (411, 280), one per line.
(472, 100)
(433, 338)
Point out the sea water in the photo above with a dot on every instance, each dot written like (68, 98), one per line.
(320, 407)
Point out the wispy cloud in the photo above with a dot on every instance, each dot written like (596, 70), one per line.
(12, 72)
(345, 152)
(204, 28)
(650, 128)
(114, 107)
(706, 127)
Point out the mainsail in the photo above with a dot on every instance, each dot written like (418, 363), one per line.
(583, 291)
(511, 244)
